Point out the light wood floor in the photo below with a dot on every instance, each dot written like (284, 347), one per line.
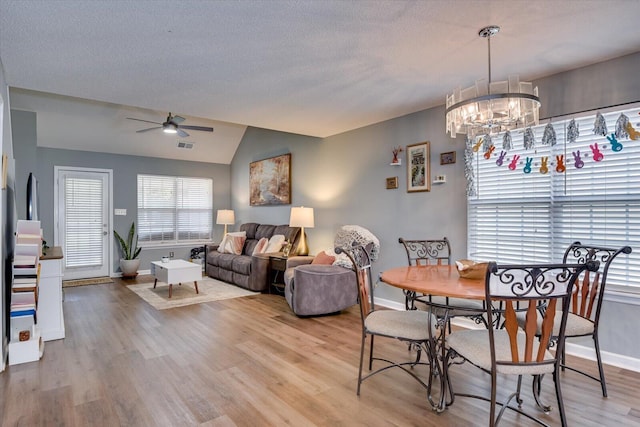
(249, 362)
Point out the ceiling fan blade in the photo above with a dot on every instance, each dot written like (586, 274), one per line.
(146, 121)
(182, 133)
(146, 130)
(202, 128)
(177, 119)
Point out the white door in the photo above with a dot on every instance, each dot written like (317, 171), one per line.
(83, 221)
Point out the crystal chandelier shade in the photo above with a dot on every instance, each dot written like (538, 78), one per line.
(492, 107)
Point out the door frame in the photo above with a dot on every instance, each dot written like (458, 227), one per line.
(56, 214)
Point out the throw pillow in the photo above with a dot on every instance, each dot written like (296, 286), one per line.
(261, 246)
(323, 258)
(275, 243)
(233, 243)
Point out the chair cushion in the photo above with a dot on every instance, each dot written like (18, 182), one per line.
(577, 326)
(474, 346)
(411, 325)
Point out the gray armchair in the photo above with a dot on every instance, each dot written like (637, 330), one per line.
(316, 289)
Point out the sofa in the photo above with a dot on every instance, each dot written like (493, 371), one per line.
(246, 270)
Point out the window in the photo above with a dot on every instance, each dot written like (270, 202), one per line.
(174, 210)
(516, 216)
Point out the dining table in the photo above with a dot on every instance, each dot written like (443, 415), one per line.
(443, 281)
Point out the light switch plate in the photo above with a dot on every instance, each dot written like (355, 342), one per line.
(120, 212)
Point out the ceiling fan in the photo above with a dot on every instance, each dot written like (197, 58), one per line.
(172, 125)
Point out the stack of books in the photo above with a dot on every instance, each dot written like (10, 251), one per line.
(23, 304)
(25, 344)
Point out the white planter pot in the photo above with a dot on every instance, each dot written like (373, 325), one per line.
(129, 267)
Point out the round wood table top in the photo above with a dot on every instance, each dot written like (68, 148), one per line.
(441, 280)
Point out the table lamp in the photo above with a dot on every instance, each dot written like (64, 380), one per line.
(226, 217)
(302, 217)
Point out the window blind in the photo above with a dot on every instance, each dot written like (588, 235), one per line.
(83, 221)
(518, 217)
(174, 209)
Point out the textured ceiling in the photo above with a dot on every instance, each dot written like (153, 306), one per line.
(310, 67)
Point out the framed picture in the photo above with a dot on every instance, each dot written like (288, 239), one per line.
(448, 158)
(270, 181)
(418, 170)
(392, 183)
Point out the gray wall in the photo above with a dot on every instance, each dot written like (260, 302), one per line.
(125, 169)
(343, 178)
(7, 217)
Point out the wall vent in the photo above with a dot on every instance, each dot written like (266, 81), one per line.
(186, 145)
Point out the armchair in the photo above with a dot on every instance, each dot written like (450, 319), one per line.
(327, 283)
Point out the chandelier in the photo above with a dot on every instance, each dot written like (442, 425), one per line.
(492, 107)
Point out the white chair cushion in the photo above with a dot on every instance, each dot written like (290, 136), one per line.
(474, 346)
(576, 325)
(411, 325)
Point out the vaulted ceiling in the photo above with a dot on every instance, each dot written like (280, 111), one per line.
(315, 68)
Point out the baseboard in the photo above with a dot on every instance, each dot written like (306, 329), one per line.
(140, 272)
(585, 352)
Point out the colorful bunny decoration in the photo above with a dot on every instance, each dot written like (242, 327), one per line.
(543, 167)
(514, 162)
(579, 164)
(501, 158)
(633, 134)
(487, 155)
(597, 155)
(527, 166)
(560, 168)
(477, 146)
(615, 145)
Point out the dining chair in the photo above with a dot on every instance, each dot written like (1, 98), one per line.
(511, 350)
(411, 327)
(438, 252)
(586, 299)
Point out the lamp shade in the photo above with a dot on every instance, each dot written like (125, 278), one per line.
(225, 216)
(301, 217)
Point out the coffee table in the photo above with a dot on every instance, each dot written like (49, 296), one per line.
(176, 271)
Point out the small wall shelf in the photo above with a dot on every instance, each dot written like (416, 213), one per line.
(439, 179)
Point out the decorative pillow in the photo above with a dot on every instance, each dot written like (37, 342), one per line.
(261, 246)
(323, 258)
(233, 243)
(275, 243)
(340, 259)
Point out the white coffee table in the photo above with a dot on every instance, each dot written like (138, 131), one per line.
(176, 271)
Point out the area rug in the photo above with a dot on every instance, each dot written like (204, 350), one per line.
(185, 294)
(84, 282)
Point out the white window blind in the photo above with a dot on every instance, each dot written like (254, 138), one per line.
(83, 221)
(174, 209)
(518, 217)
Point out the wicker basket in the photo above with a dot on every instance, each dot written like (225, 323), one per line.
(471, 270)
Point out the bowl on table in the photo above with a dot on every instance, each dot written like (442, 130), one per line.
(469, 269)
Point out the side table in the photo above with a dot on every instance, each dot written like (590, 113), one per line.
(277, 267)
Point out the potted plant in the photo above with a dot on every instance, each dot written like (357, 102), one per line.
(129, 262)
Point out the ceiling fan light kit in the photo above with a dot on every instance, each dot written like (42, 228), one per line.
(492, 107)
(172, 125)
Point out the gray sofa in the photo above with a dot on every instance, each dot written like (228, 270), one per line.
(244, 270)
